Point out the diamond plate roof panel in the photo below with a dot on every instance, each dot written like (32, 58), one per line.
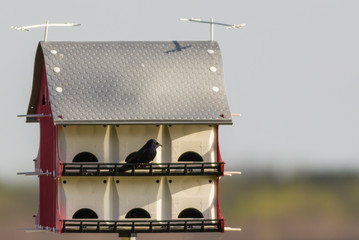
(134, 82)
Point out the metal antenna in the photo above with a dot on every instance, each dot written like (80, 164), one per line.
(228, 26)
(46, 25)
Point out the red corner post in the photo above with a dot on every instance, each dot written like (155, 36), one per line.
(47, 162)
(219, 160)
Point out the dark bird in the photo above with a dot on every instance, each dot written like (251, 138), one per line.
(145, 155)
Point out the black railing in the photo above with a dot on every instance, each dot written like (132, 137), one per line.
(142, 226)
(152, 169)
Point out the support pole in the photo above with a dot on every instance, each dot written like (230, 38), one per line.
(130, 236)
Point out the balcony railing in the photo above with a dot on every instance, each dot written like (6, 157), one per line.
(142, 226)
(152, 169)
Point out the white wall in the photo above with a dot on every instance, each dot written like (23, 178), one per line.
(74, 139)
(138, 192)
(201, 139)
(76, 193)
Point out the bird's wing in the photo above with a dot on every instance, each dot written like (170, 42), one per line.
(129, 158)
(148, 155)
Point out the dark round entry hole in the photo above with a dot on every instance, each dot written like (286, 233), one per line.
(138, 213)
(85, 157)
(84, 213)
(190, 157)
(190, 213)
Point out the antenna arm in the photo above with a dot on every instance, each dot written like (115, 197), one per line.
(216, 23)
(26, 28)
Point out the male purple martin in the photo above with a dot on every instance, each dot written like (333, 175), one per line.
(145, 155)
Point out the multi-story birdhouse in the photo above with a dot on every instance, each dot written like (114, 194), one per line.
(98, 102)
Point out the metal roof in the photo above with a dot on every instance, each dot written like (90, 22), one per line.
(132, 82)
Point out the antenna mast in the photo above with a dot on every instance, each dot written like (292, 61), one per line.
(46, 25)
(211, 23)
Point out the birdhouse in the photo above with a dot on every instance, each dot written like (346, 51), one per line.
(98, 104)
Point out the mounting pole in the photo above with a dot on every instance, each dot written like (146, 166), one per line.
(130, 236)
(46, 25)
(211, 23)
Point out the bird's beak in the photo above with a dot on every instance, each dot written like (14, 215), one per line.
(159, 144)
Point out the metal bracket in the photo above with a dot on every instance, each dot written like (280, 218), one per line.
(35, 115)
(35, 173)
(231, 173)
(232, 229)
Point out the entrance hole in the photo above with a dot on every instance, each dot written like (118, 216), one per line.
(138, 213)
(190, 157)
(84, 213)
(85, 157)
(190, 213)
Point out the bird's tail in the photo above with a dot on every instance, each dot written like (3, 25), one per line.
(124, 168)
(128, 166)
(131, 166)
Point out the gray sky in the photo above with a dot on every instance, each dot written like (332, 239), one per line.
(291, 72)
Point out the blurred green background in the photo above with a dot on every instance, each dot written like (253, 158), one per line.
(266, 206)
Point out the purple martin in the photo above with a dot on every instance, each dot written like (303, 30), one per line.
(145, 155)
